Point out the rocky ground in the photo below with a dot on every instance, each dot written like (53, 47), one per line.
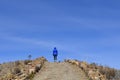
(41, 69)
(21, 70)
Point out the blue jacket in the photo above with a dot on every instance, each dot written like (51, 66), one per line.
(55, 52)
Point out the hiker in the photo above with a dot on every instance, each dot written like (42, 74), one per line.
(55, 54)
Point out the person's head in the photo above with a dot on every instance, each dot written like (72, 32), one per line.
(54, 47)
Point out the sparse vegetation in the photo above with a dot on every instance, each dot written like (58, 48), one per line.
(27, 61)
(14, 70)
(17, 63)
(109, 72)
(17, 70)
(20, 70)
(30, 76)
(97, 72)
(117, 75)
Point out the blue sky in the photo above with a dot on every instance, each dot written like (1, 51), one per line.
(86, 30)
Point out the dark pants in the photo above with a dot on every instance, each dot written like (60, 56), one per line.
(55, 57)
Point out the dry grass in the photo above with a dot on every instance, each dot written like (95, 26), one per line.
(94, 70)
(20, 69)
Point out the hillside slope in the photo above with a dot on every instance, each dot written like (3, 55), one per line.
(60, 71)
(41, 69)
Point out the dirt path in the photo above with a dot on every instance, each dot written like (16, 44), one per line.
(60, 71)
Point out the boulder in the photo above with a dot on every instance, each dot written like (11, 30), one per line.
(32, 70)
(73, 62)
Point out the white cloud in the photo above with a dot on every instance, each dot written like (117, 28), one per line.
(42, 43)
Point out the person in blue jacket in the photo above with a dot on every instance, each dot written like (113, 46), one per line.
(55, 54)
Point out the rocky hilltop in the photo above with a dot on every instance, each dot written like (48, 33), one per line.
(41, 69)
(21, 70)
